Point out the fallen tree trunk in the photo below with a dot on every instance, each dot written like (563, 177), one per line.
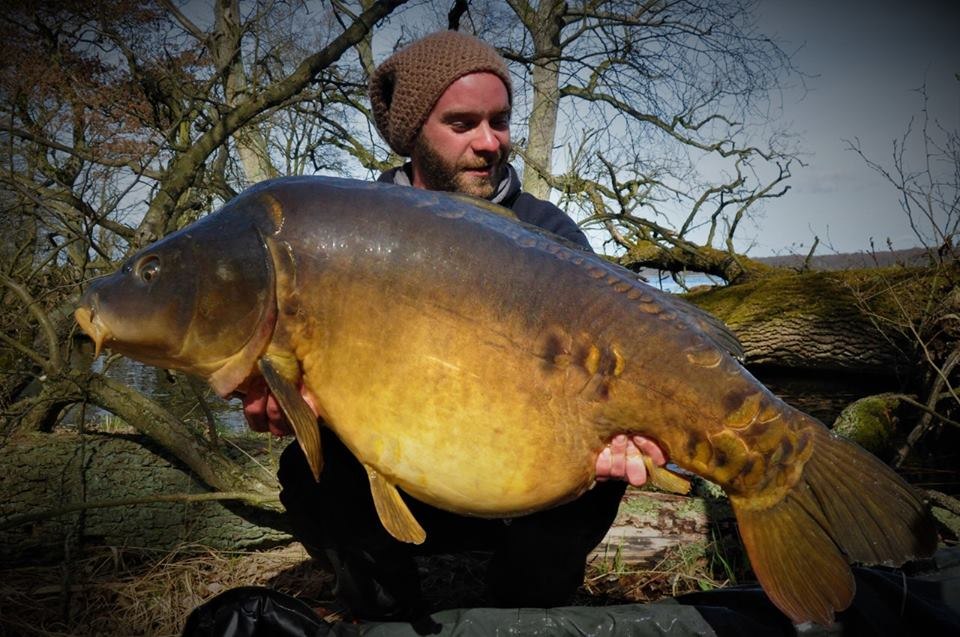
(848, 321)
(46, 478)
(156, 423)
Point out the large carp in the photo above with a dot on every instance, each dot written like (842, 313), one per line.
(480, 365)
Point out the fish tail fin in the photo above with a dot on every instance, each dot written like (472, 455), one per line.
(847, 506)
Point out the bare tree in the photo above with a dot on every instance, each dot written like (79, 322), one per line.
(116, 103)
(923, 310)
(659, 108)
(124, 121)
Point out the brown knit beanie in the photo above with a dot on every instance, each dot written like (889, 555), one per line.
(405, 87)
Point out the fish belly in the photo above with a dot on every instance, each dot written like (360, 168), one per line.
(456, 410)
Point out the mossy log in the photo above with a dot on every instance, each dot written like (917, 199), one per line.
(650, 525)
(871, 422)
(42, 473)
(824, 321)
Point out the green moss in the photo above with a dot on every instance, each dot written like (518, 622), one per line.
(870, 422)
(783, 294)
(948, 519)
(640, 506)
(691, 508)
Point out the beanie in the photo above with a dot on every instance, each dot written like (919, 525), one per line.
(404, 89)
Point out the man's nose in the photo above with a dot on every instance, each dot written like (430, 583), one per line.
(486, 140)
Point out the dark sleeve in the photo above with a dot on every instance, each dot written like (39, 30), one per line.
(544, 214)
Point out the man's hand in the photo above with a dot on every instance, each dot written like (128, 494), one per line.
(263, 412)
(622, 459)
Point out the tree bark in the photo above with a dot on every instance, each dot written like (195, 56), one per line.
(149, 418)
(251, 142)
(42, 472)
(544, 25)
(811, 321)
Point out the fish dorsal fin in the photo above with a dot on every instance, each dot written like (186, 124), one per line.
(486, 204)
(718, 332)
(297, 412)
(393, 511)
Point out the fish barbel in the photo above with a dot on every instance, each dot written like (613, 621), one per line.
(480, 365)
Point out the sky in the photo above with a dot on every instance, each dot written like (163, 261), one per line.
(865, 61)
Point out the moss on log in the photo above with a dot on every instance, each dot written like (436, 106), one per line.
(651, 524)
(826, 321)
(871, 422)
(45, 472)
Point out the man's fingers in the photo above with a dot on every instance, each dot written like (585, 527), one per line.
(255, 406)
(618, 451)
(635, 469)
(650, 449)
(262, 411)
(622, 459)
(603, 465)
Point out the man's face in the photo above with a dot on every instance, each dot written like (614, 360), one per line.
(465, 142)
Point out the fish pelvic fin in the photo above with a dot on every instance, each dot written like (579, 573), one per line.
(297, 411)
(847, 506)
(664, 479)
(394, 513)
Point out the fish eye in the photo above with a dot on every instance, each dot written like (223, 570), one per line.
(148, 269)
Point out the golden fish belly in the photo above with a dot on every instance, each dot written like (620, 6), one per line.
(463, 416)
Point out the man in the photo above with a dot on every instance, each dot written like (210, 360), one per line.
(445, 101)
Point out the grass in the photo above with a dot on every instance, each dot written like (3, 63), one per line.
(683, 568)
(114, 591)
(126, 591)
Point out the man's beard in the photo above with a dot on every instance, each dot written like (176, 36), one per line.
(438, 174)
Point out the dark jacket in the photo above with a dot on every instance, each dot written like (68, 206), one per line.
(525, 206)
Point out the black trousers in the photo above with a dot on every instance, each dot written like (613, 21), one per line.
(538, 560)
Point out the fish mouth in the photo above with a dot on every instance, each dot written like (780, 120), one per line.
(94, 328)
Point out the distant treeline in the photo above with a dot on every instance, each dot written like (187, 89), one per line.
(846, 261)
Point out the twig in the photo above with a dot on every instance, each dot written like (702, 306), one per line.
(53, 363)
(925, 422)
(808, 260)
(927, 409)
(943, 501)
(208, 414)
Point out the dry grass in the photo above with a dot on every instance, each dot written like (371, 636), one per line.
(113, 591)
(683, 568)
(129, 592)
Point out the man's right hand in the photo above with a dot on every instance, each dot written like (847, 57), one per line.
(263, 412)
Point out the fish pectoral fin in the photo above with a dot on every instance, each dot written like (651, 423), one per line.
(664, 479)
(393, 511)
(299, 414)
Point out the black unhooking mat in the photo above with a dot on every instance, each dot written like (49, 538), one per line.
(888, 602)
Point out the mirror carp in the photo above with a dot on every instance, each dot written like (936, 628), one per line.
(480, 365)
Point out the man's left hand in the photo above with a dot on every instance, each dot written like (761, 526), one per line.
(622, 459)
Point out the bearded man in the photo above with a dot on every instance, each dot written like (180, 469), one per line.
(445, 102)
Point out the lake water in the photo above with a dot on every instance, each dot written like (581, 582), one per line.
(663, 280)
(172, 390)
